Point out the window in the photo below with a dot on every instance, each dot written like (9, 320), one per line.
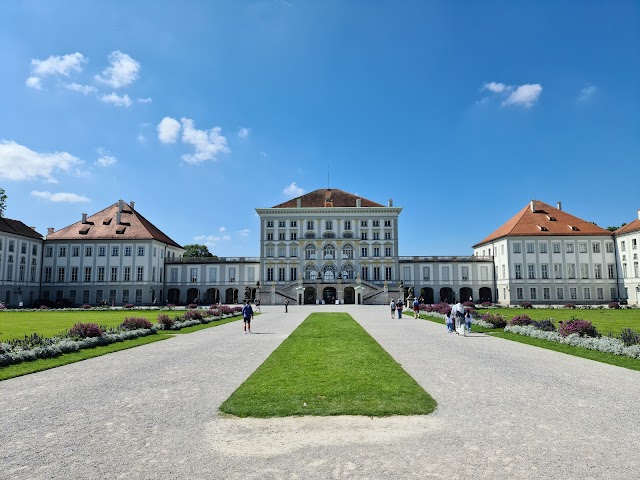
(573, 293)
(610, 270)
(101, 274)
(282, 236)
(75, 251)
(634, 244)
(270, 224)
(533, 293)
(88, 251)
(102, 251)
(544, 271)
(174, 275)
(517, 247)
(376, 273)
(624, 270)
(464, 271)
(518, 269)
(364, 273)
(569, 247)
(387, 251)
(269, 251)
(556, 247)
(270, 274)
(406, 273)
(600, 293)
(387, 235)
(363, 223)
(114, 274)
(61, 274)
(560, 293)
(519, 293)
(635, 269)
(310, 225)
(126, 274)
(85, 296)
(376, 235)
(531, 271)
(87, 274)
(364, 252)
(138, 295)
(609, 247)
(328, 225)
(232, 274)
(282, 251)
(582, 247)
(153, 274)
(445, 274)
(48, 252)
(11, 245)
(293, 224)
(140, 274)
(530, 248)
(376, 251)
(543, 247)
(293, 251)
(125, 296)
(99, 295)
(597, 270)
(293, 273)
(623, 245)
(347, 252)
(270, 236)
(61, 253)
(595, 246)
(613, 292)
(155, 251)
(74, 274)
(213, 275)
(310, 252)
(426, 274)
(546, 295)
(115, 251)
(484, 273)
(571, 270)
(294, 236)
(281, 224)
(141, 251)
(47, 274)
(587, 293)
(584, 270)
(363, 235)
(281, 272)
(387, 223)
(347, 224)
(388, 273)
(504, 271)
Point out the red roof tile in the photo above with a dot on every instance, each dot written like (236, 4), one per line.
(16, 227)
(331, 197)
(629, 227)
(544, 220)
(104, 226)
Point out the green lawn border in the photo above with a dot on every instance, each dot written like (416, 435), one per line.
(329, 366)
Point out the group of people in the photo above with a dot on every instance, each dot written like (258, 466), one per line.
(458, 320)
(396, 306)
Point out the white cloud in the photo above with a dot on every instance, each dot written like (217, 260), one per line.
(144, 100)
(293, 190)
(60, 197)
(168, 130)
(587, 92)
(34, 82)
(494, 87)
(122, 71)
(57, 65)
(524, 95)
(244, 133)
(84, 89)
(207, 143)
(115, 99)
(222, 229)
(244, 232)
(18, 162)
(141, 138)
(107, 161)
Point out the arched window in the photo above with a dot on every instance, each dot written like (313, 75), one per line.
(329, 273)
(347, 272)
(347, 252)
(310, 272)
(310, 252)
(329, 252)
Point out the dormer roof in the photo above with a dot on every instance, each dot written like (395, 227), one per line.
(327, 198)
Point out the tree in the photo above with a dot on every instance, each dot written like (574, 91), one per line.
(196, 250)
(3, 202)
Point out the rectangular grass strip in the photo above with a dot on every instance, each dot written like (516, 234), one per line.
(329, 366)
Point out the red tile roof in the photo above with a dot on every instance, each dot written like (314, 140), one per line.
(16, 227)
(629, 227)
(327, 197)
(544, 220)
(104, 226)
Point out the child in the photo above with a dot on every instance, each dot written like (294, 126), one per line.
(467, 317)
(448, 321)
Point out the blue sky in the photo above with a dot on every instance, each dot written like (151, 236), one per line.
(200, 112)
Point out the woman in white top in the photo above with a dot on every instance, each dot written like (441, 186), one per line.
(393, 308)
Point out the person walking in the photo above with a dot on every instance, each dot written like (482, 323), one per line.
(416, 308)
(286, 306)
(447, 322)
(467, 318)
(257, 302)
(399, 308)
(247, 314)
(393, 308)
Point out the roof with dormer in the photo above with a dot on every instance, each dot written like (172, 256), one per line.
(327, 197)
(104, 226)
(629, 227)
(16, 227)
(540, 219)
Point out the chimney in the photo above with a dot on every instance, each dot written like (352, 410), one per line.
(390, 203)
(638, 214)
(118, 219)
(358, 202)
(120, 205)
(531, 206)
(132, 204)
(34, 228)
(84, 218)
(559, 207)
(50, 230)
(299, 203)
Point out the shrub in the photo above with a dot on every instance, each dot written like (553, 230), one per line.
(546, 325)
(495, 319)
(526, 305)
(135, 323)
(43, 307)
(212, 313)
(570, 305)
(129, 305)
(171, 306)
(521, 320)
(85, 330)
(86, 306)
(165, 321)
(486, 304)
(472, 311)
(192, 305)
(629, 337)
(2, 306)
(614, 305)
(468, 304)
(192, 315)
(583, 328)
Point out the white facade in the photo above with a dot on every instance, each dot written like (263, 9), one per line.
(20, 260)
(627, 261)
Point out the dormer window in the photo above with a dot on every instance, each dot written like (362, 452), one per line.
(550, 218)
(542, 229)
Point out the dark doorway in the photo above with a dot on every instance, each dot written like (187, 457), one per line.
(349, 295)
(193, 295)
(329, 295)
(212, 296)
(231, 295)
(446, 295)
(173, 296)
(465, 294)
(427, 295)
(485, 294)
(309, 296)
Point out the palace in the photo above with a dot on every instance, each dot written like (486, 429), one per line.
(323, 247)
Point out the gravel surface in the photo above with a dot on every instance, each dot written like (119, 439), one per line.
(505, 410)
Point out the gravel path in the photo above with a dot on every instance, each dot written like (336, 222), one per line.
(505, 410)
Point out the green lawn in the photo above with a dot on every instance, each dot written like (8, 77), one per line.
(329, 366)
(606, 321)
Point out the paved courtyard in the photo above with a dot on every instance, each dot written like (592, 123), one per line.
(505, 410)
